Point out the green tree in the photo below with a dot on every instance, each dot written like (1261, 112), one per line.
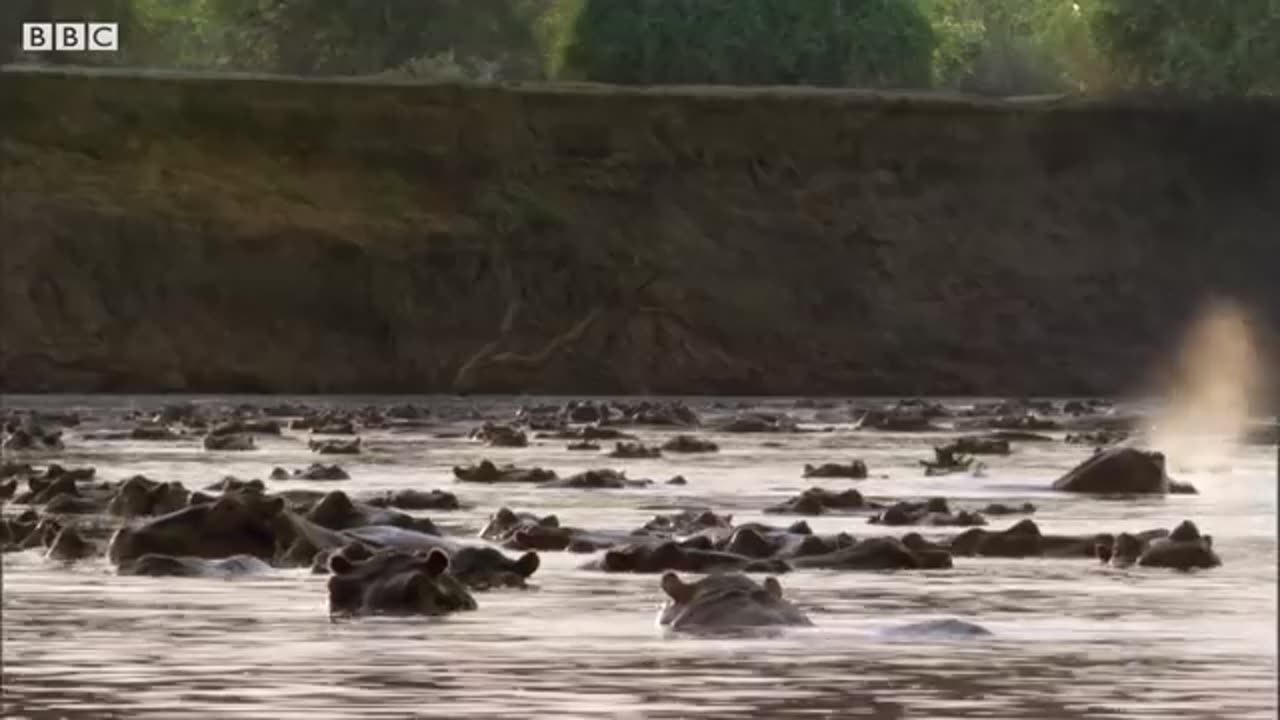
(345, 37)
(1210, 46)
(1012, 47)
(873, 43)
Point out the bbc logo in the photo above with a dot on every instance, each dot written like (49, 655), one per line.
(70, 36)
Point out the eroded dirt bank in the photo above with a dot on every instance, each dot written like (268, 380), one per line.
(271, 235)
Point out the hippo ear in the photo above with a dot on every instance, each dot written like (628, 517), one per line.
(678, 590)
(437, 563)
(773, 587)
(1102, 551)
(339, 565)
(528, 564)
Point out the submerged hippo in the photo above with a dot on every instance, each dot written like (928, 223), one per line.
(157, 565)
(1123, 470)
(854, 470)
(650, 558)
(950, 628)
(726, 602)
(241, 523)
(393, 582)
(878, 553)
(816, 501)
(241, 443)
(1182, 549)
(630, 450)
(934, 511)
(479, 567)
(689, 444)
(487, 472)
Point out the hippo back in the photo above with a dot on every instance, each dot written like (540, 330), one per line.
(242, 523)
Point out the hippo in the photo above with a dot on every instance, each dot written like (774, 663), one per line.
(946, 461)
(605, 479)
(394, 582)
(149, 432)
(241, 443)
(725, 602)
(897, 420)
(1024, 539)
(314, 471)
(232, 484)
(587, 434)
(1097, 438)
(584, 445)
(138, 495)
(950, 628)
(761, 541)
(336, 511)
(157, 565)
(933, 511)
(68, 545)
(686, 522)
(32, 439)
(662, 414)
(239, 523)
(634, 451)
(817, 501)
(1183, 548)
(669, 555)
(8, 489)
(413, 500)
(689, 444)
(1025, 508)
(978, 445)
(487, 472)
(478, 566)
(335, 446)
(495, 435)
(855, 470)
(247, 427)
(1120, 470)
(760, 423)
(333, 427)
(525, 531)
(882, 553)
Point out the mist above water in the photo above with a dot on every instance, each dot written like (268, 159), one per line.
(1217, 384)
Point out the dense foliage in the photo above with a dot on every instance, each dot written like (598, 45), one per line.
(1005, 47)
(750, 42)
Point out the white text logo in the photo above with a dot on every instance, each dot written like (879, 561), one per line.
(70, 36)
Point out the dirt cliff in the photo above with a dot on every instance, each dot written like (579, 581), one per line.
(258, 234)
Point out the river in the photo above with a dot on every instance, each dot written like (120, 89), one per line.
(1072, 639)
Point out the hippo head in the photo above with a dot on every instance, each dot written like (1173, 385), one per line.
(68, 546)
(749, 542)
(1122, 552)
(482, 568)
(239, 523)
(353, 552)
(132, 498)
(395, 583)
(725, 602)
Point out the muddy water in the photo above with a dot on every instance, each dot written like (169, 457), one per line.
(1072, 640)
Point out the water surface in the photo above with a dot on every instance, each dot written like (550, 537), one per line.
(1072, 639)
